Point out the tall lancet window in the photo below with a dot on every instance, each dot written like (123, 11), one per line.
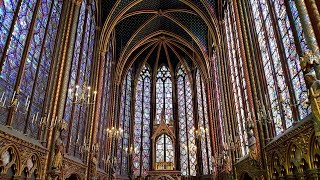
(237, 78)
(188, 149)
(164, 94)
(203, 125)
(124, 126)
(280, 60)
(141, 156)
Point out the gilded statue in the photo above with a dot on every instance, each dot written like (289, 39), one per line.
(94, 164)
(311, 68)
(59, 146)
(57, 161)
(309, 62)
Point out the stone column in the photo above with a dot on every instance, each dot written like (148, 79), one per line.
(306, 24)
(314, 16)
(64, 57)
(93, 141)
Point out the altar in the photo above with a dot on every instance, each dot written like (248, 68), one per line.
(163, 142)
(164, 175)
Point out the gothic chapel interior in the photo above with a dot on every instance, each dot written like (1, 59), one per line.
(159, 89)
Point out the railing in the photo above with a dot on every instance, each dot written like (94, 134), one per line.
(164, 166)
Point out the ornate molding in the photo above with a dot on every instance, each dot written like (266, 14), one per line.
(24, 148)
(73, 166)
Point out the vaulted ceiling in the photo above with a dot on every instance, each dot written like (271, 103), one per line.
(182, 26)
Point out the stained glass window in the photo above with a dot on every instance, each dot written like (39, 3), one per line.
(36, 70)
(188, 149)
(141, 156)
(124, 125)
(164, 149)
(7, 10)
(203, 126)
(164, 94)
(76, 113)
(237, 79)
(277, 80)
(292, 57)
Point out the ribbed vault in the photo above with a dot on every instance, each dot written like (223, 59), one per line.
(187, 29)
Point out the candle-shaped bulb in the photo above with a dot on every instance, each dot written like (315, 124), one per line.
(32, 121)
(41, 120)
(13, 96)
(4, 102)
(27, 101)
(37, 116)
(94, 95)
(2, 97)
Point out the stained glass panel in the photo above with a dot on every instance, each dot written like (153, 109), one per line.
(7, 10)
(141, 156)
(237, 79)
(188, 148)
(34, 77)
(124, 125)
(277, 88)
(203, 126)
(164, 94)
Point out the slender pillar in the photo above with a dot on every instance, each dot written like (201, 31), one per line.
(247, 66)
(63, 67)
(96, 112)
(314, 16)
(306, 24)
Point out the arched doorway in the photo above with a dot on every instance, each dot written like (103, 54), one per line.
(164, 177)
(73, 177)
(246, 176)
